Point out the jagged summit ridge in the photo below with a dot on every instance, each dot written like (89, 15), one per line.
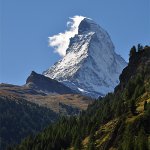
(44, 84)
(90, 65)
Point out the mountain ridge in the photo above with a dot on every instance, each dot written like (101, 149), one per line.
(27, 109)
(50, 86)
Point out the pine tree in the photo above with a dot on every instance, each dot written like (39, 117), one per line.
(145, 105)
(142, 141)
(91, 144)
(133, 107)
(77, 144)
(140, 47)
(128, 141)
(133, 51)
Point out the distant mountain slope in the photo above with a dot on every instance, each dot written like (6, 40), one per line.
(119, 121)
(25, 110)
(90, 66)
(52, 101)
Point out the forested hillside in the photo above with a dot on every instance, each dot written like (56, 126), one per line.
(25, 111)
(20, 118)
(119, 121)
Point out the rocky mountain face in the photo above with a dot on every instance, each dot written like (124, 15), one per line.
(90, 66)
(50, 86)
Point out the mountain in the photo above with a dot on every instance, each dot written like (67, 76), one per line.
(26, 110)
(50, 86)
(118, 121)
(58, 103)
(90, 66)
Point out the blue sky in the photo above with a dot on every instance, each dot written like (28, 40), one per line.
(25, 26)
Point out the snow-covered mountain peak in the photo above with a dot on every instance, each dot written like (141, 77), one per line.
(90, 65)
(87, 25)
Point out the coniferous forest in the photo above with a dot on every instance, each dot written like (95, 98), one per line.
(118, 121)
(20, 118)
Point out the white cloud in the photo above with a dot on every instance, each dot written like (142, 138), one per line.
(60, 41)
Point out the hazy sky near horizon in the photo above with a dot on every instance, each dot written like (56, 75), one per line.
(25, 26)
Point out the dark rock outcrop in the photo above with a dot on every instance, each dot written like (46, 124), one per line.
(45, 84)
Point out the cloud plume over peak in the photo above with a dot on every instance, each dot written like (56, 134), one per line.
(60, 41)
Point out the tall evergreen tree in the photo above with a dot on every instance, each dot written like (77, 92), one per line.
(133, 107)
(78, 144)
(142, 141)
(91, 144)
(133, 51)
(140, 47)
